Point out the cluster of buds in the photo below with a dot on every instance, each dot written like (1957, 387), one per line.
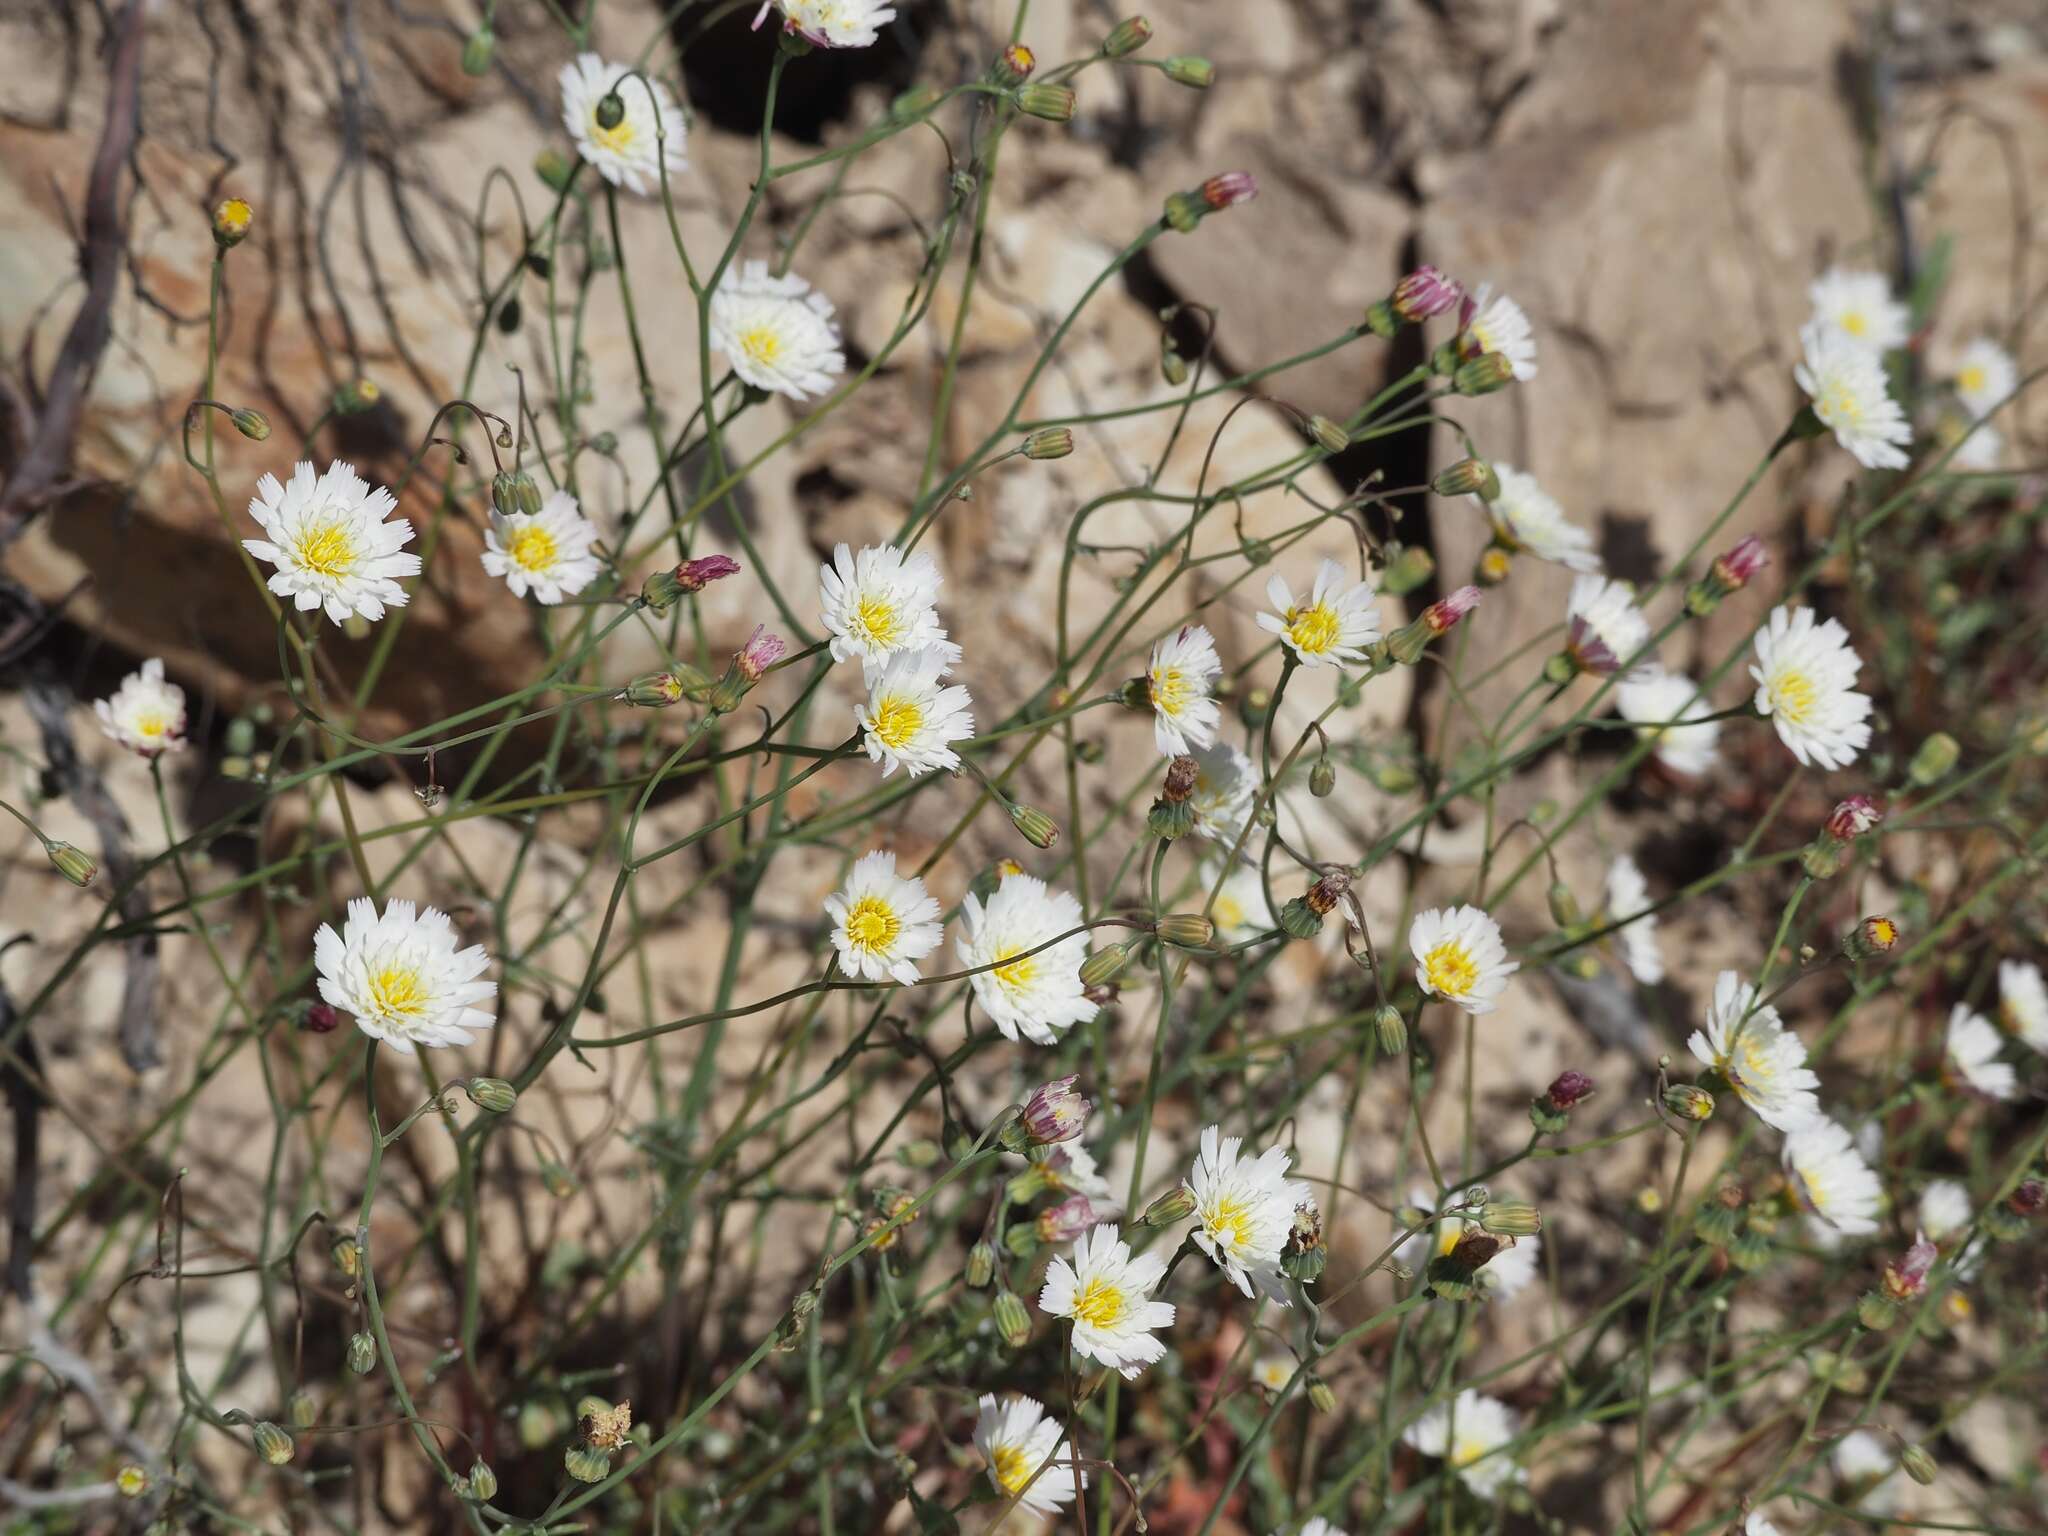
(1421, 295)
(661, 590)
(1054, 1113)
(1729, 573)
(1873, 936)
(749, 665)
(514, 491)
(1848, 821)
(1173, 813)
(1306, 1253)
(1550, 1111)
(1184, 210)
(1406, 644)
(1302, 917)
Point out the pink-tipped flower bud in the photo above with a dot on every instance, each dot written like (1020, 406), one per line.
(1066, 1221)
(320, 1019)
(1570, 1088)
(695, 575)
(1229, 189)
(1443, 615)
(1853, 817)
(1054, 1113)
(1739, 567)
(1906, 1276)
(1423, 293)
(761, 652)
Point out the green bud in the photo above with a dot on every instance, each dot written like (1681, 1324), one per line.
(273, 1444)
(1105, 965)
(1510, 1218)
(1329, 436)
(658, 690)
(1391, 1029)
(981, 1265)
(1172, 366)
(1468, 477)
(513, 491)
(1393, 778)
(1191, 70)
(1918, 1464)
(557, 1180)
(553, 168)
(481, 1486)
(1564, 906)
(1130, 35)
(1876, 1311)
(1177, 1204)
(1320, 1397)
(914, 103)
(1184, 210)
(356, 397)
(1407, 568)
(1188, 930)
(611, 110)
(1931, 764)
(1688, 1102)
(253, 425)
(1322, 779)
(1483, 375)
(362, 1353)
(356, 627)
(1300, 920)
(1254, 707)
(1053, 103)
(1038, 829)
(477, 51)
(491, 1093)
(1021, 1240)
(1012, 1321)
(72, 862)
(538, 1424)
(301, 1412)
(1049, 443)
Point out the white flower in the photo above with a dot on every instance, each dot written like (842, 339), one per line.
(1604, 626)
(1336, 621)
(1460, 958)
(909, 718)
(1069, 1169)
(1628, 896)
(776, 332)
(547, 553)
(1273, 1372)
(401, 977)
(1805, 681)
(1241, 911)
(1497, 324)
(2023, 1002)
(1184, 669)
(1852, 399)
(1649, 696)
(1756, 1525)
(881, 603)
(1467, 1433)
(649, 132)
(1763, 1061)
(1528, 518)
(1985, 375)
(1035, 996)
(1971, 1054)
(1831, 1180)
(1857, 308)
(1867, 1465)
(1226, 784)
(1318, 1526)
(1944, 1208)
(1504, 1275)
(146, 714)
(1018, 1443)
(329, 541)
(832, 23)
(1106, 1292)
(1244, 1210)
(883, 923)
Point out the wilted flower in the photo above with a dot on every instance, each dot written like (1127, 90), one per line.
(1853, 817)
(695, 575)
(1066, 1221)
(1229, 189)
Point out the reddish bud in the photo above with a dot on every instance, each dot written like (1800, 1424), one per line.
(1230, 189)
(1906, 1276)
(1569, 1089)
(1066, 1221)
(320, 1019)
(1423, 293)
(761, 652)
(696, 575)
(1443, 615)
(1736, 569)
(1854, 817)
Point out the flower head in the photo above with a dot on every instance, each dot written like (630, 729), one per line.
(761, 652)
(1628, 902)
(625, 123)
(1460, 958)
(1442, 616)
(1858, 310)
(1906, 1276)
(329, 540)
(546, 553)
(1528, 518)
(1022, 1449)
(1335, 621)
(1851, 398)
(1507, 1273)
(880, 603)
(1031, 995)
(1985, 375)
(1743, 563)
(1054, 1113)
(1495, 325)
(1271, 1373)
(1241, 911)
(1467, 1433)
(883, 923)
(1651, 698)
(1970, 1054)
(776, 332)
(1423, 293)
(400, 976)
(1830, 1178)
(1067, 1220)
(146, 714)
(831, 23)
(1805, 681)
(1225, 786)
(909, 717)
(2023, 1002)
(1944, 1208)
(1106, 1291)
(1318, 1526)
(1244, 1210)
(1184, 670)
(1604, 626)
(1764, 1062)
(1867, 1465)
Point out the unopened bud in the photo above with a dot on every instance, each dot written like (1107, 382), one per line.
(1012, 1321)
(1468, 477)
(981, 1265)
(513, 491)
(477, 51)
(253, 425)
(231, 221)
(553, 168)
(1053, 103)
(1014, 65)
(272, 1443)
(1688, 1102)
(491, 1093)
(1128, 37)
(657, 690)
(1510, 1218)
(1322, 779)
(1931, 764)
(1876, 1311)
(1853, 817)
(1066, 1221)
(360, 395)
(1191, 70)
(1230, 189)
(1177, 1204)
(1407, 569)
(131, 1482)
(1564, 906)
(1872, 936)
(300, 1411)
(1320, 1397)
(557, 1180)
(362, 1353)
(482, 1484)
(1105, 965)
(1172, 366)
(1053, 1114)
(72, 862)
(1424, 293)
(1254, 705)
(1918, 1464)
(1038, 829)
(1329, 436)
(1049, 443)
(1188, 930)
(1737, 568)
(611, 110)
(1569, 1089)
(1390, 1029)
(1483, 374)
(347, 1257)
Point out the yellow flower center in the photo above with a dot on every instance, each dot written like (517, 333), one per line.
(1012, 1468)
(1229, 1225)
(1099, 1305)
(233, 216)
(1015, 973)
(896, 721)
(1972, 380)
(1856, 323)
(327, 550)
(1228, 912)
(872, 924)
(1838, 405)
(1757, 1067)
(1467, 1450)
(1793, 695)
(763, 343)
(533, 548)
(617, 138)
(1884, 932)
(151, 725)
(1447, 1234)
(1313, 630)
(1170, 690)
(876, 617)
(398, 992)
(1450, 969)
(1813, 1189)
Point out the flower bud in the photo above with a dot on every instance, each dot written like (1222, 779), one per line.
(477, 51)
(1918, 1464)
(1320, 1397)
(273, 1444)
(231, 221)
(1188, 930)
(1876, 1311)
(1329, 436)
(482, 1484)
(72, 862)
(1012, 1321)
(1931, 764)
(553, 168)
(1409, 568)
(611, 110)
(1468, 477)
(1014, 65)
(1407, 643)
(981, 1266)
(1191, 70)
(1390, 1029)
(300, 1411)
(1105, 965)
(1172, 366)
(695, 575)
(347, 1257)
(1424, 293)
(1510, 1218)
(1569, 1089)
(131, 1482)
(320, 1019)
(1853, 817)
(1253, 706)
(360, 395)
(657, 690)
(1905, 1278)
(2028, 1198)
(1128, 37)
(1564, 906)
(1483, 374)
(557, 1180)
(1300, 920)
(1177, 1204)
(1054, 1113)
(1688, 1102)
(362, 1353)
(1053, 103)
(1322, 779)
(1066, 1221)
(1229, 189)
(1049, 443)
(252, 424)
(1037, 828)
(511, 492)
(1737, 568)
(1872, 936)
(491, 1093)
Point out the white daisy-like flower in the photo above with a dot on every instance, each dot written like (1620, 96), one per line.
(880, 603)
(1335, 622)
(330, 543)
(1970, 1052)
(1107, 1291)
(1628, 896)
(883, 923)
(1468, 1432)
(648, 131)
(1496, 323)
(1032, 996)
(1244, 1210)
(1852, 398)
(1944, 1209)
(777, 332)
(1241, 911)
(1754, 1524)
(1184, 670)
(547, 553)
(1866, 1464)
(1985, 375)
(1649, 697)
(1831, 1179)
(1018, 1443)
(1806, 683)
(1459, 957)
(1604, 627)
(1527, 518)
(1763, 1061)
(910, 717)
(1271, 1373)
(146, 714)
(1506, 1274)
(2023, 1002)
(832, 23)
(400, 976)
(1858, 309)
(1226, 784)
